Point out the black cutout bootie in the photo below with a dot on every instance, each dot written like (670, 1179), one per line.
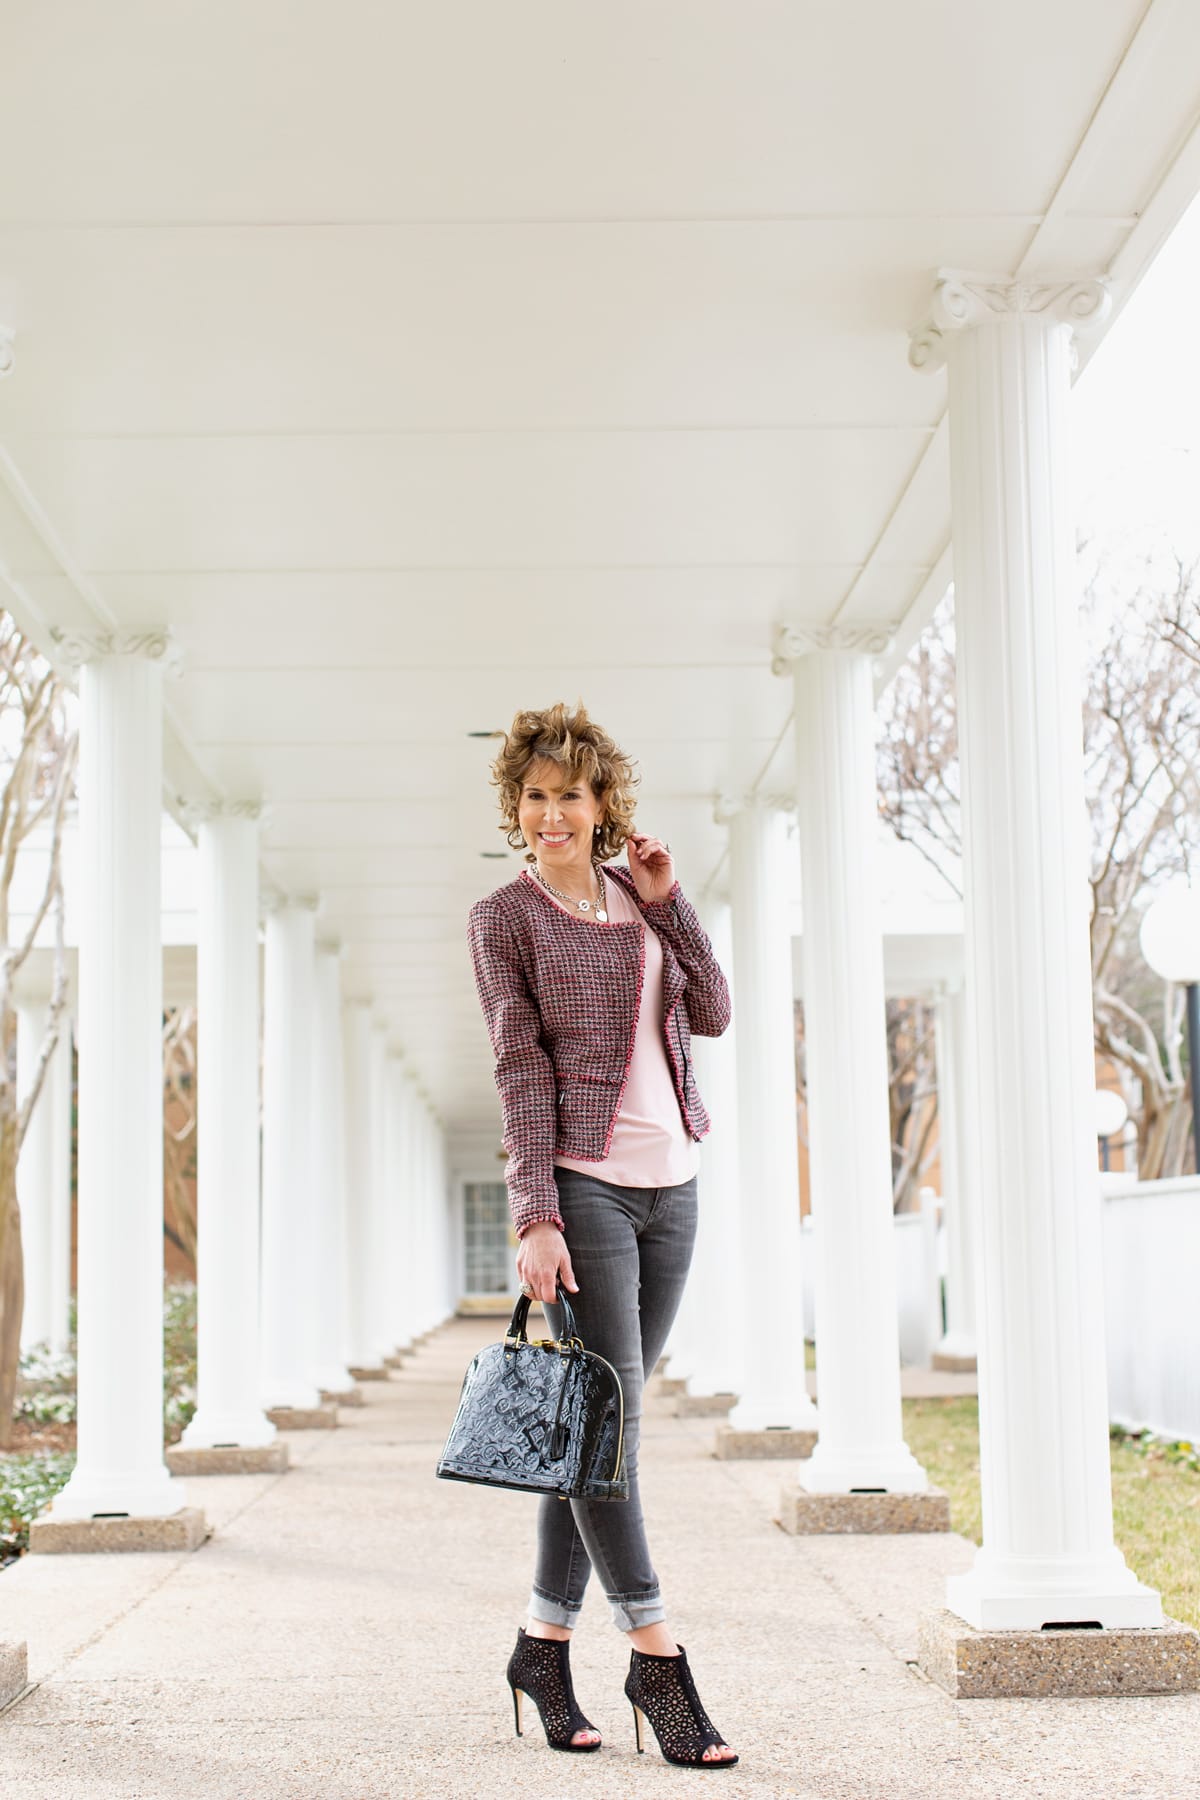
(661, 1689)
(541, 1668)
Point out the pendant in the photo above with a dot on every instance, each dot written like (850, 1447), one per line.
(602, 915)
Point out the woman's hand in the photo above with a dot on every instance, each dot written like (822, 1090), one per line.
(543, 1259)
(651, 866)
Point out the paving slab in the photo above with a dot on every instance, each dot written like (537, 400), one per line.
(343, 1636)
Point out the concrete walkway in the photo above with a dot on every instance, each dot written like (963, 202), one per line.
(344, 1634)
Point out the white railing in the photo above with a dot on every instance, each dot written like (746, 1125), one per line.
(1151, 1247)
(1152, 1303)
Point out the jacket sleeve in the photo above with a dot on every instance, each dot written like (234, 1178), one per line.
(524, 1073)
(706, 997)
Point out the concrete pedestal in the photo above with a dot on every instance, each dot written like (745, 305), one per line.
(369, 1372)
(351, 1396)
(704, 1406)
(780, 1442)
(303, 1418)
(1057, 1664)
(949, 1364)
(228, 1459)
(182, 1530)
(667, 1387)
(14, 1672)
(810, 1515)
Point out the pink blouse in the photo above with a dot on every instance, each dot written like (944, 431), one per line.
(650, 1145)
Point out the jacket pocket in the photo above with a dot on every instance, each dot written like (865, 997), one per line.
(585, 1110)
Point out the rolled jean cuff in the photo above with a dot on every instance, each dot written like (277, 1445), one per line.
(554, 1612)
(631, 1611)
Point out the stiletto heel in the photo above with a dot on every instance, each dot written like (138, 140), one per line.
(661, 1689)
(638, 1722)
(541, 1669)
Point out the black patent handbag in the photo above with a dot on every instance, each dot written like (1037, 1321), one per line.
(544, 1416)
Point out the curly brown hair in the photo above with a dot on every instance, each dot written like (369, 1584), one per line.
(584, 752)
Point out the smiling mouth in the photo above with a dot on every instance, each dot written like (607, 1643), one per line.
(555, 837)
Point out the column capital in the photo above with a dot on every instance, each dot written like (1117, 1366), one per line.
(275, 902)
(8, 355)
(962, 299)
(728, 806)
(870, 637)
(209, 812)
(84, 644)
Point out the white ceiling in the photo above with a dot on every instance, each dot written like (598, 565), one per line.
(416, 364)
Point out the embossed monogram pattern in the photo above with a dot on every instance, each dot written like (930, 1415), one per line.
(520, 1405)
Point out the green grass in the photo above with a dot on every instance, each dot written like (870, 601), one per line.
(1156, 1496)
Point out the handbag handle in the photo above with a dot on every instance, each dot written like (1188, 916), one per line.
(516, 1326)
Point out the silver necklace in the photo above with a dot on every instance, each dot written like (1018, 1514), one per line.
(583, 905)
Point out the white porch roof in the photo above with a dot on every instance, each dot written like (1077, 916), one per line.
(425, 363)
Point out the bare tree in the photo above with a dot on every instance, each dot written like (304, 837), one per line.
(912, 1096)
(179, 1128)
(1141, 745)
(37, 757)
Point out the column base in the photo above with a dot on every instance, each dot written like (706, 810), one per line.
(887, 1468)
(394, 1361)
(805, 1514)
(303, 1418)
(1054, 1664)
(333, 1379)
(226, 1431)
(14, 1673)
(147, 1494)
(792, 1411)
(228, 1459)
(293, 1396)
(778, 1441)
(668, 1387)
(952, 1363)
(183, 1530)
(368, 1372)
(1010, 1594)
(704, 1406)
(349, 1396)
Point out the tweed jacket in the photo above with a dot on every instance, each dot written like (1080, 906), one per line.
(561, 999)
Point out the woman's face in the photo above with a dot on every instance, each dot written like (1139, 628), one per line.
(558, 817)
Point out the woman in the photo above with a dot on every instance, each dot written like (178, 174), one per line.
(591, 981)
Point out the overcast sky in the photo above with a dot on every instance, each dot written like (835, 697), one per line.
(1137, 411)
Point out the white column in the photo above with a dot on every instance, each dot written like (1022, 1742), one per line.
(845, 1031)
(120, 1468)
(329, 1177)
(288, 1261)
(60, 1076)
(398, 1214)
(438, 1241)
(1048, 1553)
(380, 1284)
(228, 1410)
(362, 1252)
(958, 1222)
(773, 1392)
(716, 1277)
(44, 1178)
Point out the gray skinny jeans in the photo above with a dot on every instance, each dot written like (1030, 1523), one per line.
(630, 1250)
